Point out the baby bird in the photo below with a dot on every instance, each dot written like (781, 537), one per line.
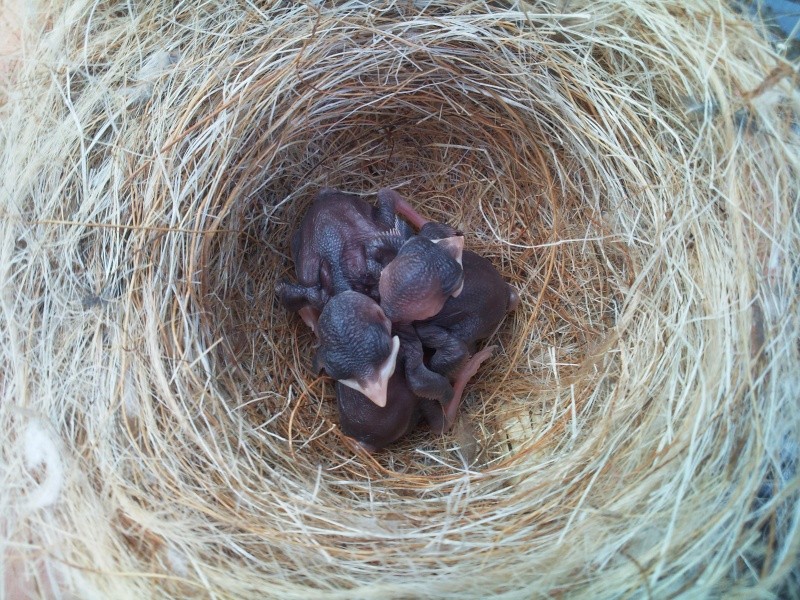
(471, 316)
(375, 427)
(356, 346)
(426, 271)
(342, 244)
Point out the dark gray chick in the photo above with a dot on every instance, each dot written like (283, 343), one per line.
(471, 316)
(342, 244)
(356, 346)
(424, 274)
(375, 427)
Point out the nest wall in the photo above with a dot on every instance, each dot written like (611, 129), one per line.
(632, 170)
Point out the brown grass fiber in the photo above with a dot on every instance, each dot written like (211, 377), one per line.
(631, 167)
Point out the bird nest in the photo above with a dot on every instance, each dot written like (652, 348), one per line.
(631, 168)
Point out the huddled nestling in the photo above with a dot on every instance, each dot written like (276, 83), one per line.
(397, 314)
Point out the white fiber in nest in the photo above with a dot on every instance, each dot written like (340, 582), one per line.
(154, 67)
(44, 463)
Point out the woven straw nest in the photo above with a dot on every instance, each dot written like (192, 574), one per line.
(632, 168)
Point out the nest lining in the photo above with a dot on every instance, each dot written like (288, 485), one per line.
(619, 443)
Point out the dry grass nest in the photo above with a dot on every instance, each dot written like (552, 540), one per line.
(631, 167)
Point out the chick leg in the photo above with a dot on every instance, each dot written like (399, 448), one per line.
(449, 351)
(427, 384)
(422, 381)
(294, 296)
